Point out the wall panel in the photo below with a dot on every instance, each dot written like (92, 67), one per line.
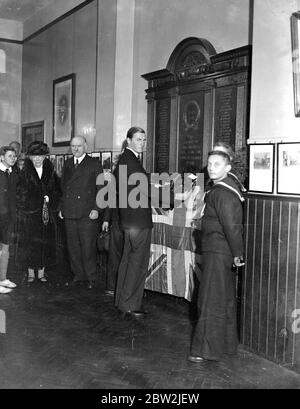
(270, 281)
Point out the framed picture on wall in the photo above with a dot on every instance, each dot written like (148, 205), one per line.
(96, 155)
(33, 131)
(295, 27)
(60, 160)
(106, 160)
(261, 167)
(63, 110)
(288, 169)
(53, 160)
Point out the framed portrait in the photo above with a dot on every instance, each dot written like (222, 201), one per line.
(106, 160)
(288, 168)
(68, 156)
(60, 161)
(33, 131)
(63, 110)
(53, 160)
(261, 167)
(295, 33)
(96, 155)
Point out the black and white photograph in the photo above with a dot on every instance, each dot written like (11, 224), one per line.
(149, 198)
(106, 160)
(32, 132)
(261, 168)
(60, 160)
(63, 109)
(288, 167)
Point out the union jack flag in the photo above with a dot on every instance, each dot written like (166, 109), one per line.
(175, 253)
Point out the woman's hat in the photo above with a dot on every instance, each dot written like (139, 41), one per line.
(37, 148)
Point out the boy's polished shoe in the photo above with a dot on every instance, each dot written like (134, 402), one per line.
(111, 293)
(8, 284)
(138, 313)
(5, 290)
(196, 359)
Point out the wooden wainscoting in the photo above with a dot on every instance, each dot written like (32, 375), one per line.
(270, 305)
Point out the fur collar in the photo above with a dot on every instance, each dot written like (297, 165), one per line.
(30, 172)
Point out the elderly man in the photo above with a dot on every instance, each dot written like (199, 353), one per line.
(80, 211)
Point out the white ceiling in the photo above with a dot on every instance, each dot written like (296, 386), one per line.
(21, 10)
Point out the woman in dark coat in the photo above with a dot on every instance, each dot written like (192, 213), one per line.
(37, 196)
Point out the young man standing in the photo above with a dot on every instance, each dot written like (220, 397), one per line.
(222, 246)
(136, 222)
(7, 212)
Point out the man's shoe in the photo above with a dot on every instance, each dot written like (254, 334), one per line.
(8, 284)
(195, 359)
(5, 290)
(109, 292)
(91, 285)
(75, 283)
(138, 313)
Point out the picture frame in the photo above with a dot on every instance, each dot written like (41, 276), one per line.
(106, 160)
(63, 110)
(288, 168)
(60, 161)
(261, 167)
(295, 33)
(52, 159)
(96, 155)
(33, 131)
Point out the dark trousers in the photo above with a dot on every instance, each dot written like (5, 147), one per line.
(116, 242)
(81, 241)
(133, 269)
(216, 330)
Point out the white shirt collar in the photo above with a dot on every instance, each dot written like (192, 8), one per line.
(39, 171)
(3, 168)
(136, 154)
(79, 159)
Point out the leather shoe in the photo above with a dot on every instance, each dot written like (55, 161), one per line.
(75, 283)
(91, 285)
(195, 359)
(111, 293)
(138, 313)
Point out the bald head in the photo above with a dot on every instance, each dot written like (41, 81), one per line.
(78, 146)
(16, 146)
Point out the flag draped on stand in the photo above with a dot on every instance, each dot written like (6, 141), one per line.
(175, 253)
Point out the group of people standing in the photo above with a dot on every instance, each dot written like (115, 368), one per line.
(33, 197)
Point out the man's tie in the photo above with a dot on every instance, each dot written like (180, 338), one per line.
(140, 157)
(7, 173)
(76, 163)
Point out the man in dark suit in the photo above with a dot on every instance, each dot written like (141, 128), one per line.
(136, 222)
(80, 211)
(8, 179)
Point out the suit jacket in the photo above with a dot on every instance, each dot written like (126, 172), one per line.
(79, 187)
(8, 196)
(140, 217)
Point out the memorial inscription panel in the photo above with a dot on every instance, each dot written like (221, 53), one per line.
(162, 135)
(190, 132)
(225, 115)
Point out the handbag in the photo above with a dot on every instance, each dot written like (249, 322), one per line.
(45, 212)
(103, 241)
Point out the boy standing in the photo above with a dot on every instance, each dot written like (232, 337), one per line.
(7, 212)
(222, 245)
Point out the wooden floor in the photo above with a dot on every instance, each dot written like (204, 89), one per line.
(72, 338)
